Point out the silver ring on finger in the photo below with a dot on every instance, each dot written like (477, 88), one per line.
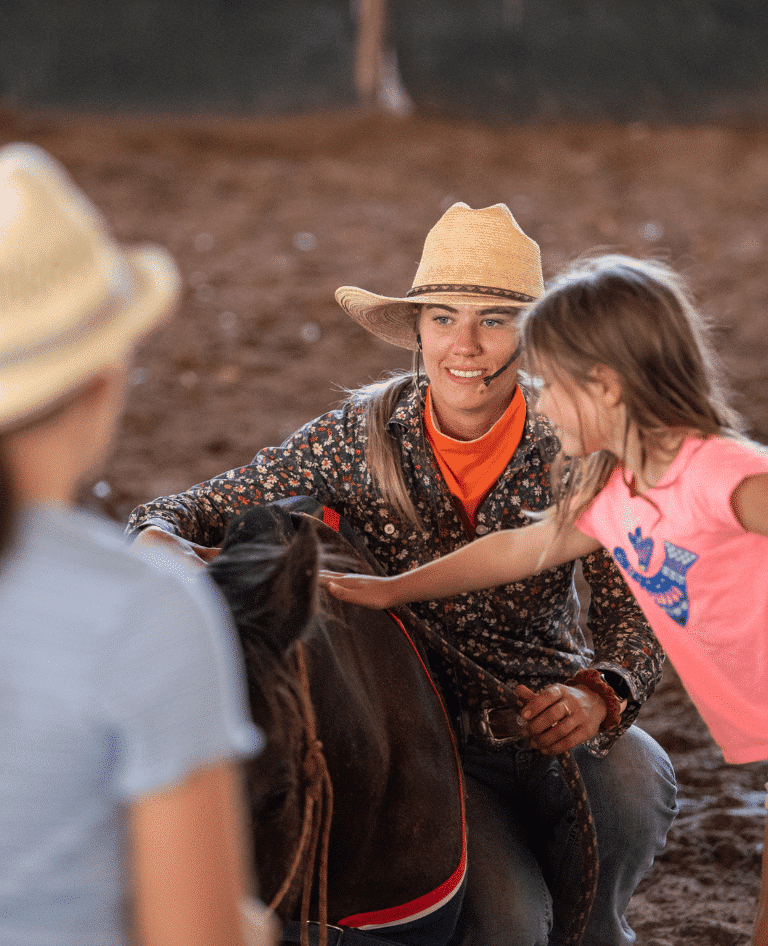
(566, 708)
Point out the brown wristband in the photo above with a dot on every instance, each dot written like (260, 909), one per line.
(592, 680)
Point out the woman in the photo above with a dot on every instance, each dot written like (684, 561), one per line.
(122, 710)
(420, 466)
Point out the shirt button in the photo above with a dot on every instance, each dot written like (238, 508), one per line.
(481, 529)
(389, 528)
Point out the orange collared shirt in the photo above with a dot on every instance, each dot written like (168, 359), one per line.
(471, 467)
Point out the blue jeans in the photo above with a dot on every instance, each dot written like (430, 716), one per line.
(524, 855)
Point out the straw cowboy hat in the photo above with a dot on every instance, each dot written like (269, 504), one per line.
(71, 300)
(470, 257)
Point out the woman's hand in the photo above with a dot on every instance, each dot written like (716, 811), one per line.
(153, 536)
(560, 717)
(372, 591)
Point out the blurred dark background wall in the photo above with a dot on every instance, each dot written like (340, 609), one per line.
(686, 60)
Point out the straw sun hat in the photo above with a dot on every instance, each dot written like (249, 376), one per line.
(71, 300)
(470, 257)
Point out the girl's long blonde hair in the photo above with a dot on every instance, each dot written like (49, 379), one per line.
(636, 317)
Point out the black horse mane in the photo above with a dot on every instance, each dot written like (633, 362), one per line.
(271, 586)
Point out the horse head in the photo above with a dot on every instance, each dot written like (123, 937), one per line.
(396, 846)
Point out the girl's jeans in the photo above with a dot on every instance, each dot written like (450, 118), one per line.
(524, 854)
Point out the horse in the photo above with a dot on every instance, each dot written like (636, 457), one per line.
(357, 804)
(394, 863)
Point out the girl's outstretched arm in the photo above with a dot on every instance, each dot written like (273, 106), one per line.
(750, 503)
(496, 559)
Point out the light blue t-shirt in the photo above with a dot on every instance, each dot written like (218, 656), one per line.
(117, 678)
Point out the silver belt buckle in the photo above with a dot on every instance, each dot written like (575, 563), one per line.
(485, 730)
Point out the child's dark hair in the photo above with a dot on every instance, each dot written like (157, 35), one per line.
(637, 318)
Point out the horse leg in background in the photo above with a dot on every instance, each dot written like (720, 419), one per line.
(506, 902)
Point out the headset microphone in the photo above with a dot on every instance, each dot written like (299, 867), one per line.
(516, 354)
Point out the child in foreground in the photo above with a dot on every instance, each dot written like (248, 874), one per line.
(657, 473)
(123, 707)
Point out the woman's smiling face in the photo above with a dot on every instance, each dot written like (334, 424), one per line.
(461, 345)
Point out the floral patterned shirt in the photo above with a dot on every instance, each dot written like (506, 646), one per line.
(526, 632)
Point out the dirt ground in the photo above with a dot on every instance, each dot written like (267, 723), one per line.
(268, 218)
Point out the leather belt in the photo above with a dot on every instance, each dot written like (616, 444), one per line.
(495, 726)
